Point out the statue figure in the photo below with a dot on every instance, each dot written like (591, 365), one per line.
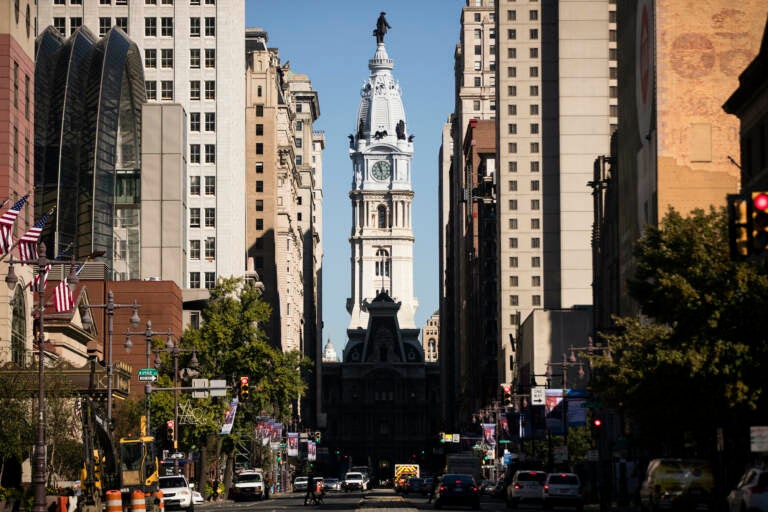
(400, 130)
(360, 129)
(381, 28)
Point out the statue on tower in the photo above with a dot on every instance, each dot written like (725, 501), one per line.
(381, 28)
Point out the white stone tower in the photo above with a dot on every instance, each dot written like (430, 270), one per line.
(381, 240)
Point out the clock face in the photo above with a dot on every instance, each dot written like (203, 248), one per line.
(381, 170)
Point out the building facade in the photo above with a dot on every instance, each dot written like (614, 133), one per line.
(430, 336)
(192, 55)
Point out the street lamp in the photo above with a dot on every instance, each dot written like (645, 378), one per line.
(87, 320)
(148, 333)
(11, 279)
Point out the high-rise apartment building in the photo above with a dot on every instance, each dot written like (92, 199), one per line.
(556, 111)
(193, 55)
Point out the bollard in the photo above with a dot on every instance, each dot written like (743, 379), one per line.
(159, 502)
(138, 501)
(114, 501)
(63, 504)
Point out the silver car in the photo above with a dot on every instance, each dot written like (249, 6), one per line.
(526, 487)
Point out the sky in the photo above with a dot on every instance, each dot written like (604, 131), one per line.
(331, 42)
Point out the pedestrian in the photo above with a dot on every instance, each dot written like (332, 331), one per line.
(432, 489)
(310, 496)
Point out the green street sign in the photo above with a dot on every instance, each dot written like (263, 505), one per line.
(147, 374)
(504, 441)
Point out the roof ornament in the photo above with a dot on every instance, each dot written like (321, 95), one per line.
(381, 28)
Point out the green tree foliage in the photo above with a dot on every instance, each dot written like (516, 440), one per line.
(696, 356)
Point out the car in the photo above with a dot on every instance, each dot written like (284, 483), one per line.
(414, 485)
(331, 484)
(248, 485)
(197, 498)
(353, 481)
(457, 489)
(751, 492)
(677, 484)
(300, 484)
(486, 487)
(562, 489)
(526, 487)
(427, 485)
(177, 493)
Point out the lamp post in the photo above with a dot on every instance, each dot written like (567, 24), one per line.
(87, 320)
(148, 333)
(173, 348)
(11, 279)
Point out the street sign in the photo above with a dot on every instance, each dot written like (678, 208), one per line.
(538, 395)
(201, 388)
(218, 387)
(148, 374)
(758, 439)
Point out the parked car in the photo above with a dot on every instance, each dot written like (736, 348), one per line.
(486, 487)
(176, 492)
(331, 484)
(248, 485)
(526, 487)
(300, 484)
(751, 493)
(414, 485)
(562, 489)
(353, 481)
(457, 489)
(677, 484)
(197, 498)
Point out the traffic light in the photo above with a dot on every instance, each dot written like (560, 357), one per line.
(596, 426)
(739, 231)
(244, 389)
(169, 427)
(759, 222)
(317, 437)
(506, 398)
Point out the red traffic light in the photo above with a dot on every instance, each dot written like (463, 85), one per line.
(760, 201)
(597, 422)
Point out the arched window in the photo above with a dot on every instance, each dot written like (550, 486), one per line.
(18, 328)
(382, 213)
(382, 263)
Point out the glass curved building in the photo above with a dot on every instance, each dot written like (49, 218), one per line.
(88, 93)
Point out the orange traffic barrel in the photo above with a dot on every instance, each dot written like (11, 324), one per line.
(138, 501)
(159, 502)
(114, 501)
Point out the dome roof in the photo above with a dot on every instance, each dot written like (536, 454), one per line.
(381, 107)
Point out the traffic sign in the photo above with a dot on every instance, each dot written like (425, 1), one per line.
(538, 395)
(148, 374)
(201, 388)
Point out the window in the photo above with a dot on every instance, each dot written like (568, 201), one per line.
(258, 91)
(210, 153)
(534, 147)
(536, 300)
(535, 204)
(194, 279)
(533, 53)
(259, 186)
(210, 2)
(478, 49)
(513, 262)
(166, 57)
(511, 33)
(259, 224)
(74, 24)
(613, 91)
(535, 223)
(534, 109)
(59, 2)
(210, 57)
(194, 121)
(513, 204)
(533, 15)
(512, 109)
(533, 34)
(534, 185)
(478, 33)
(194, 185)
(166, 90)
(612, 36)
(512, 223)
(210, 185)
(512, 129)
(534, 128)
(511, 53)
(259, 148)
(536, 261)
(613, 54)
(194, 153)
(194, 2)
(167, 2)
(514, 281)
(150, 27)
(511, 90)
(534, 91)
(210, 27)
(194, 249)
(613, 110)
(150, 2)
(194, 90)
(511, 72)
(259, 205)
(477, 16)
(513, 300)
(151, 87)
(105, 23)
(210, 280)
(259, 167)
(166, 27)
(210, 121)
(210, 89)
(259, 110)
(122, 22)
(512, 186)
(613, 72)
(299, 126)
(535, 242)
(194, 217)
(150, 58)
(511, 15)
(492, 33)
(60, 24)
(298, 107)
(381, 216)
(535, 166)
(210, 217)
(194, 27)
(476, 105)
(299, 142)
(512, 166)
(478, 81)
(512, 147)
(533, 72)
(194, 58)
(299, 160)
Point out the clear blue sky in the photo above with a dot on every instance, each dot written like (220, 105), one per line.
(331, 42)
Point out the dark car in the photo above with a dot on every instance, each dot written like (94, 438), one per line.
(414, 485)
(455, 489)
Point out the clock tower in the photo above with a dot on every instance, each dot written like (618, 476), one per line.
(381, 240)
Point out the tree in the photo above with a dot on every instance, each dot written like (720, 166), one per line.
(696, 355)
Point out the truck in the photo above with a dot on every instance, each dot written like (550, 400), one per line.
(464, 463)
(403, 472)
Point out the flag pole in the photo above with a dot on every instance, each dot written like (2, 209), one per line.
(16, 243)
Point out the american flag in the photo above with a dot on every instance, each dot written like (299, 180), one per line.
(6, 224)
(38, 283)
(63, 300)
(28, 241)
